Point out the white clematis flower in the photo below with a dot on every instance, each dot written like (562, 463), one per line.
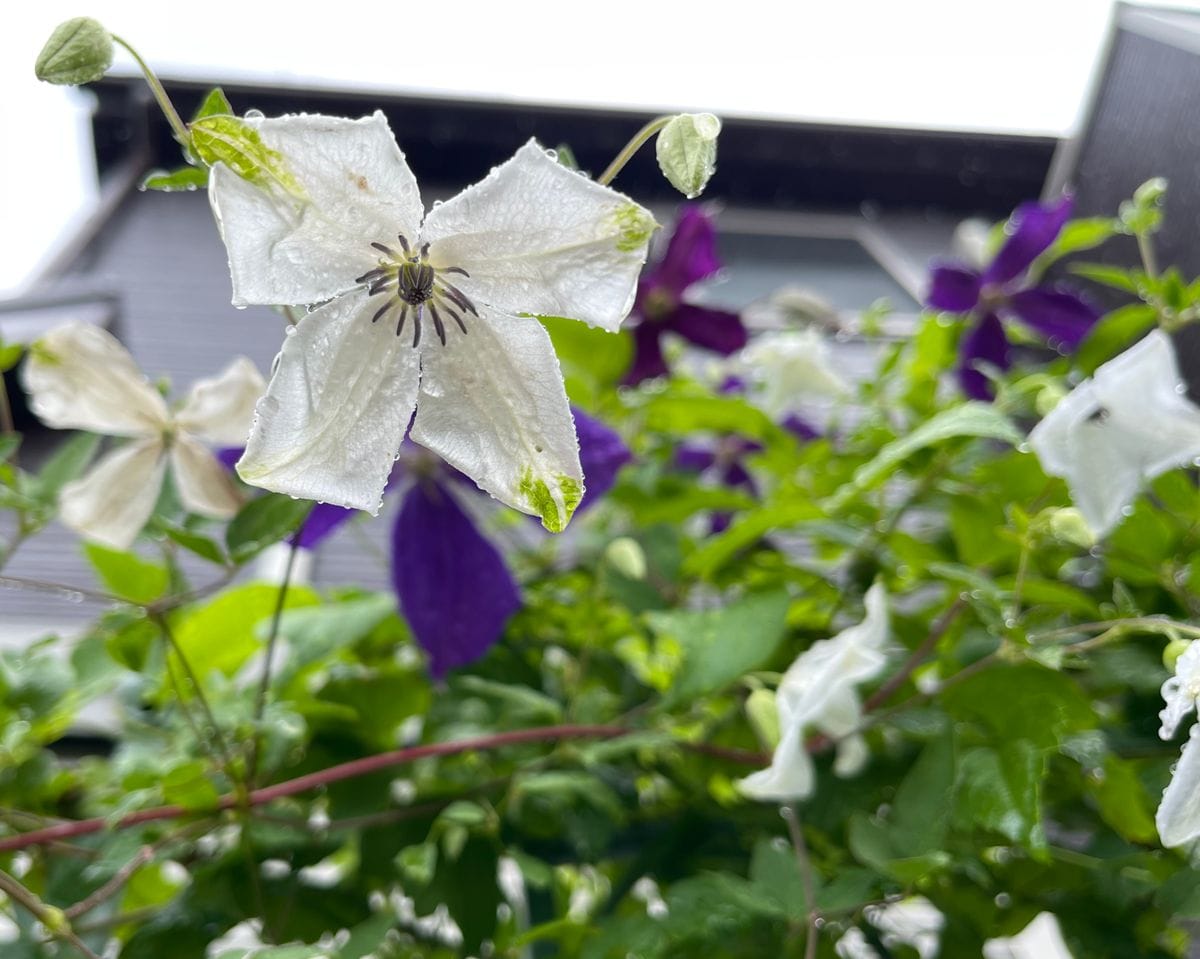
(1041, 939)
(914, 922)
(1178, 815)
(819, 691)
(79, 377)
(1126, 425)
(792, 365)
(431, 312)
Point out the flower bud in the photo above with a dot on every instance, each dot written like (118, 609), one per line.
(764, 718)
(626, 556)
(78, 51)
(1069, 526)
(687, 151)
(1173, 650)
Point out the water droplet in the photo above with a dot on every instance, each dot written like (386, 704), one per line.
(254, 114)
(1127, 510)
(552, 154)
(1180, 388)
(1022, 447)
(1003, 900)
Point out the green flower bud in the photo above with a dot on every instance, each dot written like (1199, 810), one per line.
(626, 556)
(1173, 650)
(78, 51)
(1048, 397)
(687, 151)
(764, 718)
(1069, 526)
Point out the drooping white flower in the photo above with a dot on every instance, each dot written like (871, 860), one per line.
(1041, 939)
(1127, 424)
(819, 691)
(432, 312)
(789, 366)
(79, 377)
(1178, 815)
(914, 922)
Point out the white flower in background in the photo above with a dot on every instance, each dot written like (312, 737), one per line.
(431, 312)
(1127, 424)
(791, 365)
(1041, 939)
(79, 377)
(819, 691)
(914, 922)
(1178, 815)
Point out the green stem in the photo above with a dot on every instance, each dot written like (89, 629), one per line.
(792, 817)
(55, 920)
(164, 102)
(264, 685)
(632, 147)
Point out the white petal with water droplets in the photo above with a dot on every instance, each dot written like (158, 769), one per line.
(1181, 692)
(204, 485)
(334, 414)
(539, 238)
(112, 501)
(492, 405)
(357, 189)
(220, 409)
(1126, 425)
(79, 377)
(1178, 815)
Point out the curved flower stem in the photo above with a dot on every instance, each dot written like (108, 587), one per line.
(636, 143)
(792, 817)
(264, 685)
(164, 102)
(55, 920)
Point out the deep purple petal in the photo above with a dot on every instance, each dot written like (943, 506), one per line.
(800, 427)
(987, 343)
(735, 475)
(1034, 228)
(691, 253)
(322, 520)
(716, 330)
(732, 386)
(719, 521)
(454, 588)
(952, 288)
(602, 453)
(697, 459)
(228, 456)
(1058, 314)
(648, 359)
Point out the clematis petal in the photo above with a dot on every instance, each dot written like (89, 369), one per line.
(309, 244)
(1057, 314)
(790, 366)
(790, 776)
(690, 456)
(985, 342)
(648, 360)
(602, 453)
(1034, 227)
(952, 288)
(492, 405)
(691, 253)
(538, 238)
(1178, 815)
(1127, 424)
(1041, 939)
(332, 419)
(112, 501)
(79, 377)
(220, 409)
(454, 588)
(716, 330)
(204, 485)
(1179, 693)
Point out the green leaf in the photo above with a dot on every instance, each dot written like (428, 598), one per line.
(78, 51)
(188, 785)
(975, 419)
(1124, 801)
(687, 151)
(683, 415)
(1082, 234)
(184, 179)
(314, 632)
(721, 645)
(1001, 790)
(1022, 702)
(215, 103)
(202, 546)
(221, 635)
(128, 575)
(1113, 276)
(920, 813)
(9, 442)
(68, 461)
(775, 872)
(263, 522)
(593, 361)
(1112, 334)
(747, 530)
(237, 144)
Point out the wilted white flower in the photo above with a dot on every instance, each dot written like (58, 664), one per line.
(427, 312)
(1178, 815)
(79, 377)
(819, 691)
(1041, 939)
(1127, 424)
(914, 922)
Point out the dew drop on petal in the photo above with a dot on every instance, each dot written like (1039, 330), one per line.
(1127, 510)
(1022, 447)
(1180, 388)
(254, 114)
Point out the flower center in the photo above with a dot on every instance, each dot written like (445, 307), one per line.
(411, 285)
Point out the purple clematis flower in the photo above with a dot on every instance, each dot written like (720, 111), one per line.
(660, 306)
(454, 588)
(1003, 289)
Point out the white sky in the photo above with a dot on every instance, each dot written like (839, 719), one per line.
(1014, 65)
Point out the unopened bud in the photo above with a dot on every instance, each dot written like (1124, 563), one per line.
(78, 51)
